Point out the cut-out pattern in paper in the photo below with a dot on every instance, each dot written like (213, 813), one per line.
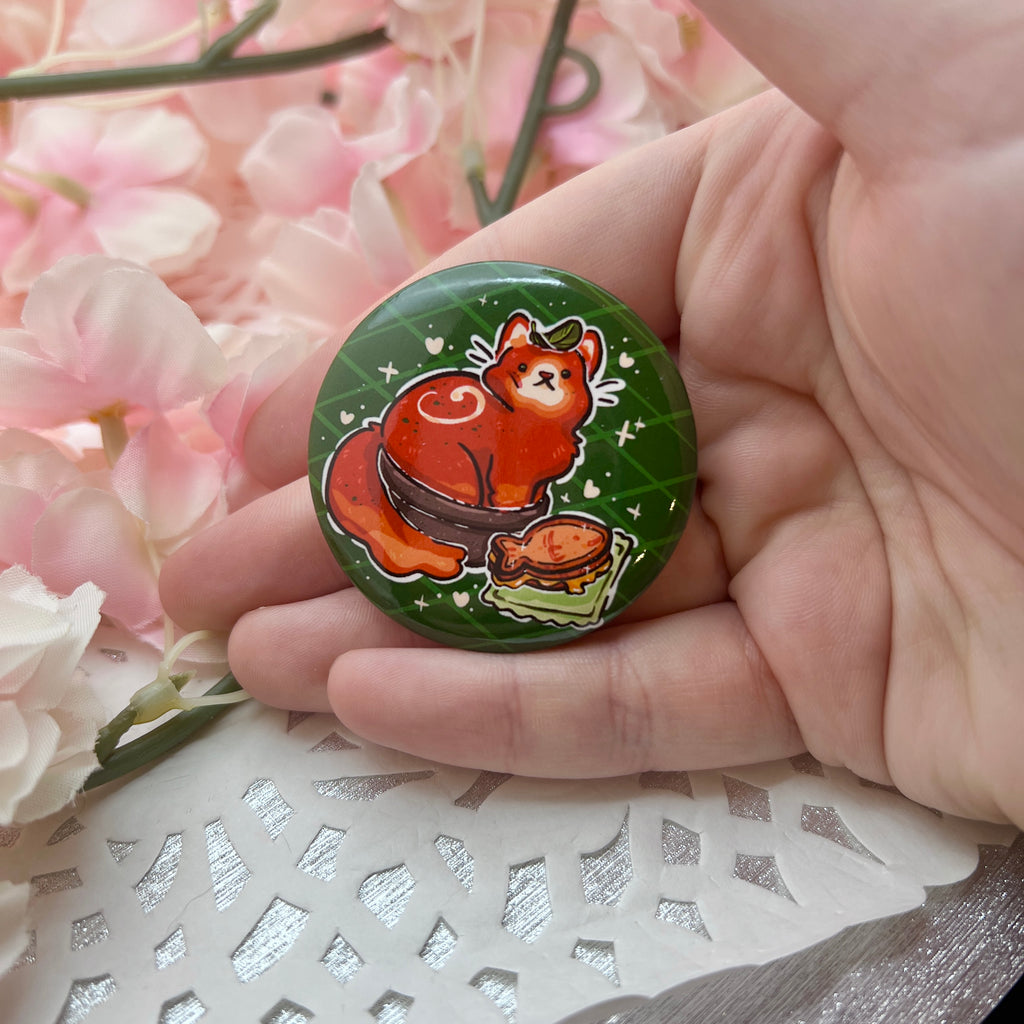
(56, 881)
(439, 946)
(269, 806)
(89, 931)
(287, 1012)
(494, 901)
(171, 950)
(606, 872)
(483, 786)
(391, 1008)
(527, 902)
(296, 718)
(807, 765)
(761, 871)
(183, 1009)
(454, 853)
(599, 955)
(228, 871)
(500, 987)
(154, 885)
(368, 787)
(119, 849)
(679, 844)
(321, 857)
(333, 741)
(386, 894)
(65, 830)
(747, 801)
(85, 995)
(826, 822)
(674, 782)
(341, 960)
(271, 937)
(685, 914)
(28, 956)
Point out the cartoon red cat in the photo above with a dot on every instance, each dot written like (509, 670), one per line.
(461, 445)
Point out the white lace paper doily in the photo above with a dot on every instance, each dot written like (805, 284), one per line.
(281, 870)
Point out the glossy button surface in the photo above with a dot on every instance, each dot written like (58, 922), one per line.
(502, 456)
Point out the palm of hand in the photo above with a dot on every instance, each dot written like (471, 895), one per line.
(869, 518)
(851, 576)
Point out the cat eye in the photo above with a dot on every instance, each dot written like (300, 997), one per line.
(566, 374)
(522, 367)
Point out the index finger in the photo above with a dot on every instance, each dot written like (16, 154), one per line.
(620, 226)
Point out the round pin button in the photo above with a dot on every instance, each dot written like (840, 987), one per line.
(502, 456)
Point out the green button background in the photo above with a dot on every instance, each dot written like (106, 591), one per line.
(653, 472)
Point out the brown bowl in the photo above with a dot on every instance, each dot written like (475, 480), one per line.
(449, 521)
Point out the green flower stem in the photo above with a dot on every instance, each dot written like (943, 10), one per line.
(160, 741)
(216, 64)
(537, 108)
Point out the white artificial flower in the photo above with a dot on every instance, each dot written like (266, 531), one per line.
(49, 714)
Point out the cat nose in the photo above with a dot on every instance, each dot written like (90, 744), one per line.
(546, 377)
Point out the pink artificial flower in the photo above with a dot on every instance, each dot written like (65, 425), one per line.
(301, 23)
(102, 336)
(360, 84)
(259, 360)
(49, 715)
(68, 527)
(429, 28)
(127, 25)
(690, 65)
(167, 485)
(95, 182)
(619, 118)
(86, 534)
(24, 30)
(303, 161)
(317, 270)
(236, 112)
(32, 473)
(113, 528)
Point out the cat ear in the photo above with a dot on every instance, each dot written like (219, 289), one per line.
(592, 352)
(516, 332)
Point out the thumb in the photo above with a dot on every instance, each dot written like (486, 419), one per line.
(889, 78)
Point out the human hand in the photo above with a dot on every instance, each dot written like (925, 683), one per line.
(842, 281)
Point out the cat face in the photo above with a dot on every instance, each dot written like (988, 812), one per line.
(551, 382)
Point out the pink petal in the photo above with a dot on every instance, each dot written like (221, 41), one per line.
(120, 335)
(59, 139)
(19, 510)
(429, 27)
(300, 163)
(87, 534)
(145, 145)
(163, 228)
(39, 393)
(165, 483)
(59, 229)
(382, 241)
(237, 112)
(32, 471)
(317, 271)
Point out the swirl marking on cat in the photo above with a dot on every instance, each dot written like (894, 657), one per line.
(457, 395)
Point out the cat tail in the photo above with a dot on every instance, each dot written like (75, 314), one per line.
(359, 506)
